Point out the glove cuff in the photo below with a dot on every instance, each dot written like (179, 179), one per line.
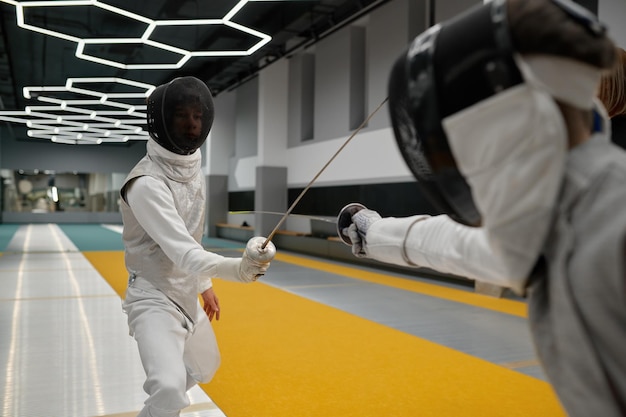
(204, 283)
(230, 269)
(249, 268)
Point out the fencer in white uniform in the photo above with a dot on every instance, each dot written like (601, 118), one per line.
(163, 206)
(495, 114)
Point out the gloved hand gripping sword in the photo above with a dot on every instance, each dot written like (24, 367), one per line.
(256, 258)
(353, 222)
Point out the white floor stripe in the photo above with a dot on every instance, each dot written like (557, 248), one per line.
(114, 227)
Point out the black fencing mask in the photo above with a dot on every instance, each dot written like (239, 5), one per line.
(451, 68)
(180, 115)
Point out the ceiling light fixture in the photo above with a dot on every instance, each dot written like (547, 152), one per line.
(46, 123)
(151, 25)
(75, 120)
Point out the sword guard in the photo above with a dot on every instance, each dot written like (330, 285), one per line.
(344, 220)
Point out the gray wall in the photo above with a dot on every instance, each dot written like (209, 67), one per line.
(613, 13)
(221, 139)
(246, 123)
(332, 86)
(28, 154)
(445, 9)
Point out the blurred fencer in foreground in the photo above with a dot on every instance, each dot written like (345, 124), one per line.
(495, 113)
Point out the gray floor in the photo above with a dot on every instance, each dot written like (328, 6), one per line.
(61, 329)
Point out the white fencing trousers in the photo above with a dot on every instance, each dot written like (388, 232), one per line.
(175, 354)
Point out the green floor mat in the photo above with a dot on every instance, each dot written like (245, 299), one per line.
(92, 237)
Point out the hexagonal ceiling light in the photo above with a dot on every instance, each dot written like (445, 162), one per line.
(83, 116)
(83, 121)
(144, 39)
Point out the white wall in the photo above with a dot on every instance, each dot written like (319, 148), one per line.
(370, 157)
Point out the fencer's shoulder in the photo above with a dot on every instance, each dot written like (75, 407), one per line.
(595, 158)
(145, 185)
(148, 180)
(599, 201)
(147, 193)
(611, 164)
(599, 223)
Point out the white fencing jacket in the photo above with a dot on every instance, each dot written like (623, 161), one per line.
(163, 201)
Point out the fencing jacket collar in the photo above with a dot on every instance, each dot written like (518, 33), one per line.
(179, 168)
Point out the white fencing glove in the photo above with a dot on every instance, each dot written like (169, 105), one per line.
(352, 224)
(251, 266)
(256, 259)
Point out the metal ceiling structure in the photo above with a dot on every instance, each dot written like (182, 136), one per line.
(78, 71)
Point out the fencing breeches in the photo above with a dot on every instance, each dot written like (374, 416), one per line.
(175, 353)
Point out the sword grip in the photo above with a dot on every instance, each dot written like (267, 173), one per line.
(260, 250)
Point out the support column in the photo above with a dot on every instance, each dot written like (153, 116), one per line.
(216, 153)
(217, 202)
(271, 172)
(270, 195)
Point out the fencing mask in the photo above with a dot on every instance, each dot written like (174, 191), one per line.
(180, 115)
(479, 126)
(452, 67)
